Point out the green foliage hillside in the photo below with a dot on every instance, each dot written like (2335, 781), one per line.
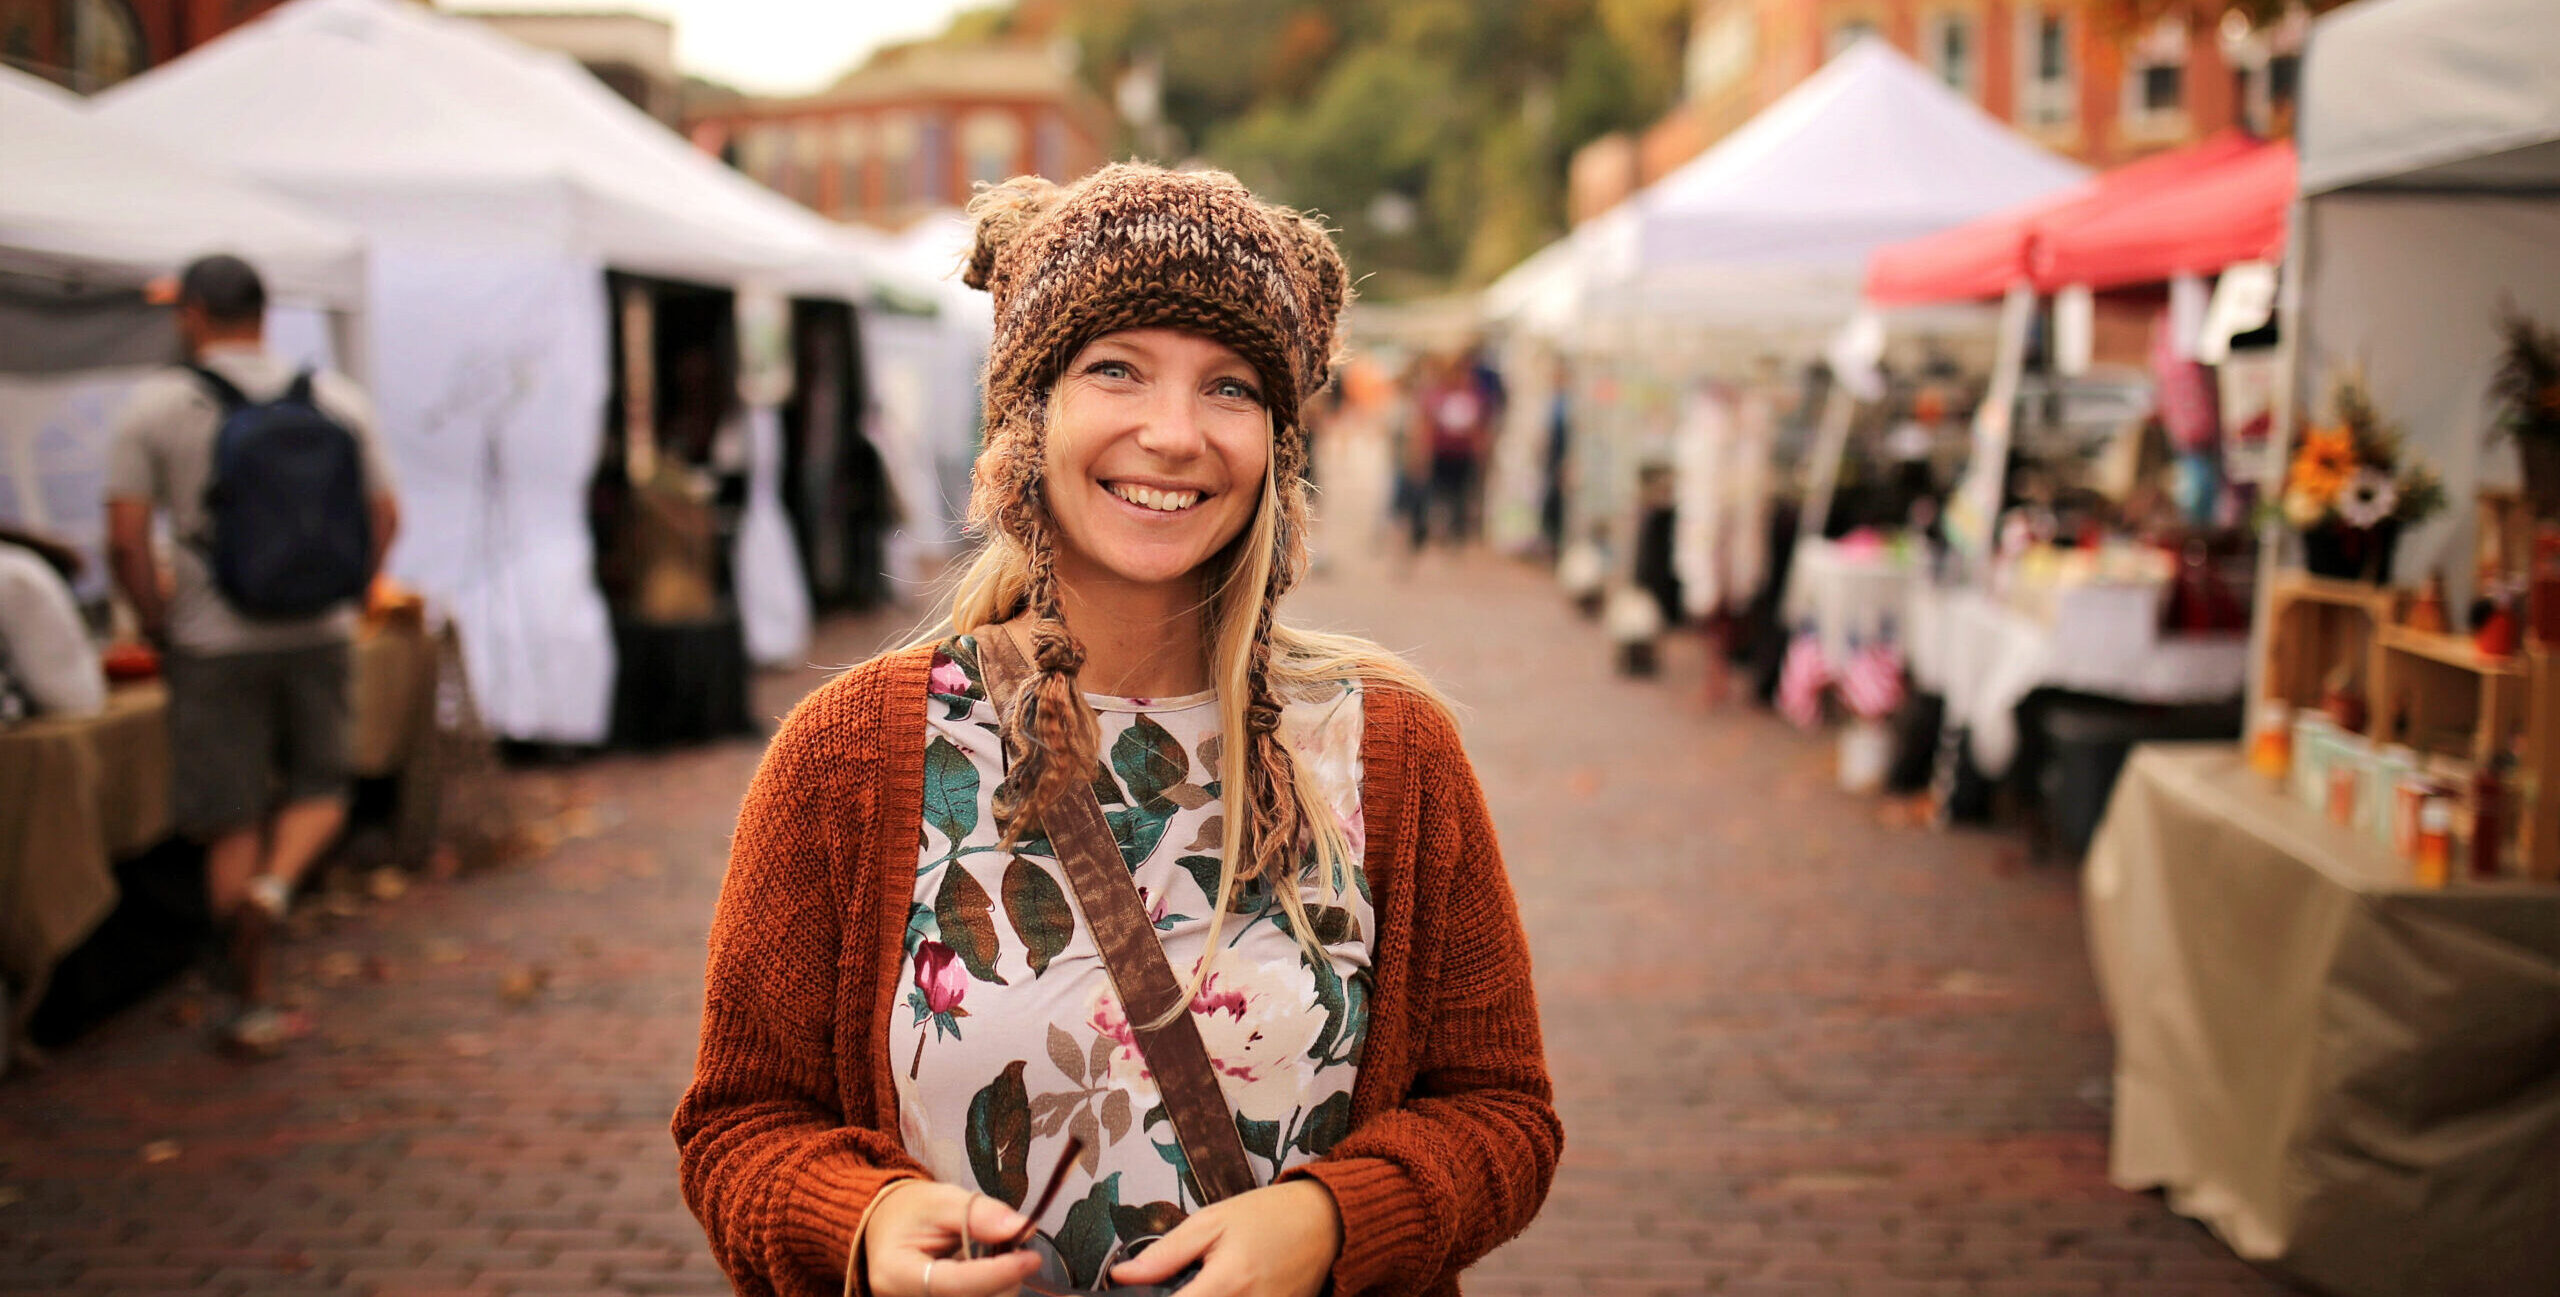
(1435, 134)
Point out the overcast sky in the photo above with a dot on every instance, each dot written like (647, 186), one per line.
(768, 46)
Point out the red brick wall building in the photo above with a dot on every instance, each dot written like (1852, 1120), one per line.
(89, 45)
(914, 130)
(2063, 72)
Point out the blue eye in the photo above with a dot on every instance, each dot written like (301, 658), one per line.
(1237, 387)
(1108, 369)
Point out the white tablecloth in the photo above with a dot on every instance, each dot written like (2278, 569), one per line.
(1985, 657)
(1850, 599)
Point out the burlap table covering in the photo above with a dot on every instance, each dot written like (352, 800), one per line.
(75, 794)
(2351, 1078)
(78, 795)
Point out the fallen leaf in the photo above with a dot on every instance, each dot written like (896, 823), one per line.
(584, 946)
(340, 966)
(377, 969)
(444, 863)
(11, 1195)
(443, 950)
(292, 1262)
(522, 986)
(159, 1151)
(468, 1044)
(339, 905)
(387, 884)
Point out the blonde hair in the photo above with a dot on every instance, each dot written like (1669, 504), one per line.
(997, 584)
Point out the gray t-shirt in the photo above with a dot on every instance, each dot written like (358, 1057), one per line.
(163, 453)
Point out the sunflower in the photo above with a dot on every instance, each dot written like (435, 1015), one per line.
(2324, 463)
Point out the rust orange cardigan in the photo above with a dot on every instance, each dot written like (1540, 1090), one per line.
(790, 1125)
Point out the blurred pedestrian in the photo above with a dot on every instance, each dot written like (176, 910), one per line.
(1456, 421)
(909, 1024)
(277, 495)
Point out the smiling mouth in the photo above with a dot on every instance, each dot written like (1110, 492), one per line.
(1160, 499)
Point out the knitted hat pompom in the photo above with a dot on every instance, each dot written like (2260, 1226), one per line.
(1136, 246)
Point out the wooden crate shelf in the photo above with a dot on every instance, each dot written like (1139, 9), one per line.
(2455, 651)
(2315, 625)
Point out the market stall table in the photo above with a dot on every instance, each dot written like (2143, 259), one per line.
(96, 790)
(1850, 596)
(1985, 656)
(2347, 1076)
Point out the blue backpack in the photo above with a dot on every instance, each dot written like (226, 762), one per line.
(292, 529)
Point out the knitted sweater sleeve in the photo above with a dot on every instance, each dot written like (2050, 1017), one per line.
(1463, 1163)
(770, 1162)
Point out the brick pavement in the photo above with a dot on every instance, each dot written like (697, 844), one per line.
(1798, 1050)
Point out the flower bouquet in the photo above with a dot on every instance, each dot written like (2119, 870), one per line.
(2352, 487)
(2526, 388)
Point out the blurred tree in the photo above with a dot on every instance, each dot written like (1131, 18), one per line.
(1435, 134)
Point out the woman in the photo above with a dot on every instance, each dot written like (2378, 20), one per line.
(907, 1023)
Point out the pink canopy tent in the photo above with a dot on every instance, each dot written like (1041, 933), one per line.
(1984, 258)
(2232, 211)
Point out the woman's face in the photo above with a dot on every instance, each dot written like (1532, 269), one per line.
(1158, 443)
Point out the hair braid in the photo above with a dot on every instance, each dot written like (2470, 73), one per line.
(1052, 726)
(1275, 818)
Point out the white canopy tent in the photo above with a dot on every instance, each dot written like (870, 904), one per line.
(925, 371)
(90, 203)
(1769, 230)
(2430, 143)
(88, 215)
(496, 185)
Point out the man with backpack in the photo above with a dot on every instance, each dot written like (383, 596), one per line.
(278, 504)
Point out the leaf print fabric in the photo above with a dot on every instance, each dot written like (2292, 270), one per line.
(1018, 1042)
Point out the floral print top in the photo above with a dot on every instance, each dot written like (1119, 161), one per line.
(1012, 1040)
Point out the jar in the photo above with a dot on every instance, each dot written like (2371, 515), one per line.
(2434, 859)
(2271, 751)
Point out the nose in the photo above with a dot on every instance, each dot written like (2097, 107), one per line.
(1173, 428)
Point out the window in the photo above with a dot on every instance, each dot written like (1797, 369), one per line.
(1845, 35)
(809, 162)
(755, 145)
(933, 163)
(2162, 88)
(991, 145)
(2155, 79)
(897, 149)
(1950, 51)
(1049, 148)
(1721, 50)
(2047, 89)
(853, 148)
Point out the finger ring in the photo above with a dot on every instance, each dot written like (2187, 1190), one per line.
(929, 1263)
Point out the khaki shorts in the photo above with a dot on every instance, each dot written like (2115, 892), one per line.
(249, 732)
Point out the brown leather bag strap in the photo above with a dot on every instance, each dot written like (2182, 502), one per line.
(1131, 952)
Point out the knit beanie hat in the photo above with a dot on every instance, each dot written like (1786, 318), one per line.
(1137, 246)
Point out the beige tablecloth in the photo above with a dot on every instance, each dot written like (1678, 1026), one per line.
(2349, 1077)
(78, 795)
(74, 795)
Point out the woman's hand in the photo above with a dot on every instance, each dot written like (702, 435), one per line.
(1275, 1242)
(920, 1221)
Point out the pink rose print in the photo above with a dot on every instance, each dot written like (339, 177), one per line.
(948, 678)
(940, 985)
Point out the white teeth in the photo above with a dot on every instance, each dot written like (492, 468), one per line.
(1151, 498)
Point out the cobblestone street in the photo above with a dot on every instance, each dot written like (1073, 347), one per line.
(1799, 1049)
